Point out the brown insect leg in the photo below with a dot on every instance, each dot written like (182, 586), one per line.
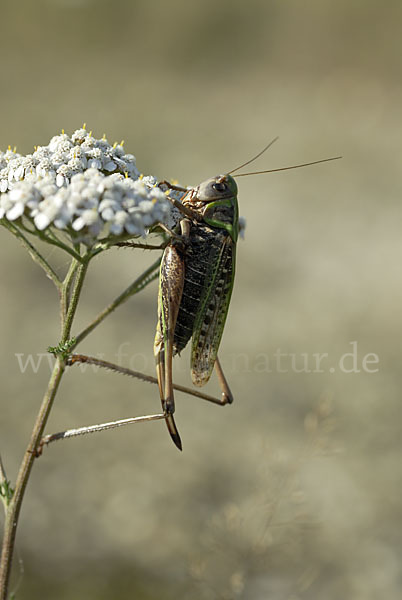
(169, 185)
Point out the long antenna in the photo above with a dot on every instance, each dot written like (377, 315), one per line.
(254, 157)
(315, 162)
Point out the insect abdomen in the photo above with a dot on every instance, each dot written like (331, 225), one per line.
(204, 247)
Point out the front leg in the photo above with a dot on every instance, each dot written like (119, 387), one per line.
(141, 246)
(171, 186)
(179, 205)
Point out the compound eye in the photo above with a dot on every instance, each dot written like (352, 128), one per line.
(219, 186)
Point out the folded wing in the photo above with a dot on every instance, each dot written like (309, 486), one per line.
(210, 322)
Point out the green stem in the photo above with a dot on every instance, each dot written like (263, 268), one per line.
(73, 281)
(75, 295)
(54, 241)
(14, 507)
(139, 284)
(65, 291)
(13, 510)
(49, 237)
(35, 254)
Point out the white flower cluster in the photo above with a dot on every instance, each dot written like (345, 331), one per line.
(81, 184)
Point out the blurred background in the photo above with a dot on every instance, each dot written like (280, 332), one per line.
(293, 492)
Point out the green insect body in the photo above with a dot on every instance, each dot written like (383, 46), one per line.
(195, 286)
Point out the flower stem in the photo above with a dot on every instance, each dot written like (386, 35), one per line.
(14, 506)
(54, 241)
(65, 291)
(75, 295)
(35, 254)
(69, 290)
(13, 510)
